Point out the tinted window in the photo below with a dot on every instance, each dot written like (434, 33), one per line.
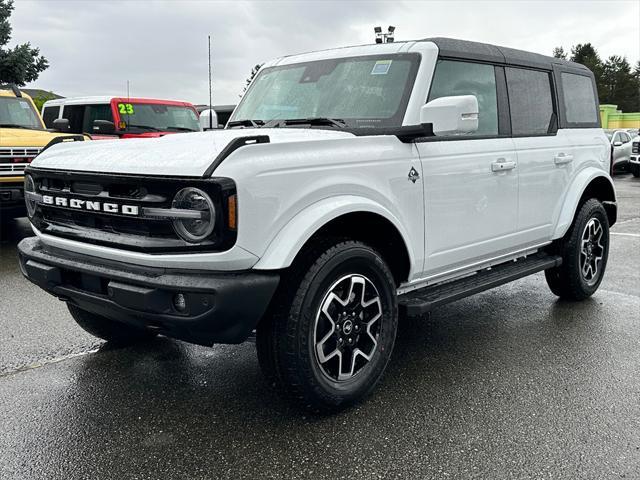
(74, 113)
(530, 101)
(96, 112)
(624, 137)
(579, 99)
(49, 114)
(453, 78)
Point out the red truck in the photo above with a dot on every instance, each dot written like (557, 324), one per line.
(107, 117)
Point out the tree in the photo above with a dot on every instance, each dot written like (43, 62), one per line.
(619, 84)
(41, 98)
(559, 52)
(587, 55)
(21, 64)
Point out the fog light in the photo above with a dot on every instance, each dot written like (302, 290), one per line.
(179, 302)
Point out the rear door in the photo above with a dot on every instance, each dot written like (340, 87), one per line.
(545, 153)
(470, 181)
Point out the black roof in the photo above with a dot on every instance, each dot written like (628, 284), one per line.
(453, 48)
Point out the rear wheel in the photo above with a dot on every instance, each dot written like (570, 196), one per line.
(584, 250)
(330, 334)
(109, 330)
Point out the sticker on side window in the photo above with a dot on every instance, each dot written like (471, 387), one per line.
(381, 67)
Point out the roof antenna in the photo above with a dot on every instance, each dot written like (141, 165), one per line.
(210, 95)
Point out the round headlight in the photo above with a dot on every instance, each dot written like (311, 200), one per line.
(29, 187)
(197, 228)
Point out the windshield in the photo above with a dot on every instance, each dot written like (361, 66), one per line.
(147, 116)
(18, 113)
(370, 91)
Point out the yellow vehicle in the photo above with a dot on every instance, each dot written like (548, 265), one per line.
(22, 137)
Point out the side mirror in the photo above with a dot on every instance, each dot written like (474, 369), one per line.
(104, 127)
(451, 115)
(61, 125)
(617, 143)
(208, 119)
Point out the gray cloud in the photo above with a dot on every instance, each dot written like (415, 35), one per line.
(160, 46)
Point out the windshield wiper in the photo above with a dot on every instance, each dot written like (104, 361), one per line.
(146, 127)
(283, 122)
(181, 129)
(246, 123)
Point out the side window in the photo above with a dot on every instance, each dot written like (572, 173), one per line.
(624, 138)
(579, 99)
(96, 112)
(530, 101)
(49, 114)
(453, 78)
(74, 114)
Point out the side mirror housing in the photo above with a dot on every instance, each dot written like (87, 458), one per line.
(208, 119)
(104, 127)
(451, 115)
(61, 125)
(617, 144)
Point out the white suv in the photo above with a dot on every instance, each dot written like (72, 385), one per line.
(349, 185)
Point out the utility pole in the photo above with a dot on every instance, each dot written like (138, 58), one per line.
(210, 89)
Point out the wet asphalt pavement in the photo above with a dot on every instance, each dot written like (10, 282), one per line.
(511, 383)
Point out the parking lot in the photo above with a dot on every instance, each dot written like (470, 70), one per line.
(511, 383)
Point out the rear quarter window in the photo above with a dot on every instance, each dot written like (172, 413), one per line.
(579, 99)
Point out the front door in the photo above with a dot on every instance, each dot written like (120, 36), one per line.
(471, 181)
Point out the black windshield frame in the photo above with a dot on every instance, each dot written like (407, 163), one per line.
(354, 123)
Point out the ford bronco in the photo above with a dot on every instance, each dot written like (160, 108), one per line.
(348, 186)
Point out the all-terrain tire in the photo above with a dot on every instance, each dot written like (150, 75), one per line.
(114, 332)
(310, 294)
(569, 281)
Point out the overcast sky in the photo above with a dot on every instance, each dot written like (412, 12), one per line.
(161, 46)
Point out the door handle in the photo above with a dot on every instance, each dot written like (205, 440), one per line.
(562, 159)
(501, 165)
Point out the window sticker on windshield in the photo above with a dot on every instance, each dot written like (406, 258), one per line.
(381, 67)
(125, 109)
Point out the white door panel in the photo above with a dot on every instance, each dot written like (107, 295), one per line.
(546, 166)
(471, 192)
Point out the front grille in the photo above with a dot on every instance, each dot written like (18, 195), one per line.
(13, 160)
(119, 230)
(13, 168)
(19, 151)
(635, 147)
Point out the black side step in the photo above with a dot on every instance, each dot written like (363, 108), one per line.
(424, 300)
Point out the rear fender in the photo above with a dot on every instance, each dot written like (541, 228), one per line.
(576, 191)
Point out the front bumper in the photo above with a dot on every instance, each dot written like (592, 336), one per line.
(635, 159)
(220, 307)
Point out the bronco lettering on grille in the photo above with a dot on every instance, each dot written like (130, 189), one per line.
(90, 205)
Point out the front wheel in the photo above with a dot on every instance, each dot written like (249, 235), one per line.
(584, 250)
(329, 338)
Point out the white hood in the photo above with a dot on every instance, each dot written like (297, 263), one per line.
(183, 154)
